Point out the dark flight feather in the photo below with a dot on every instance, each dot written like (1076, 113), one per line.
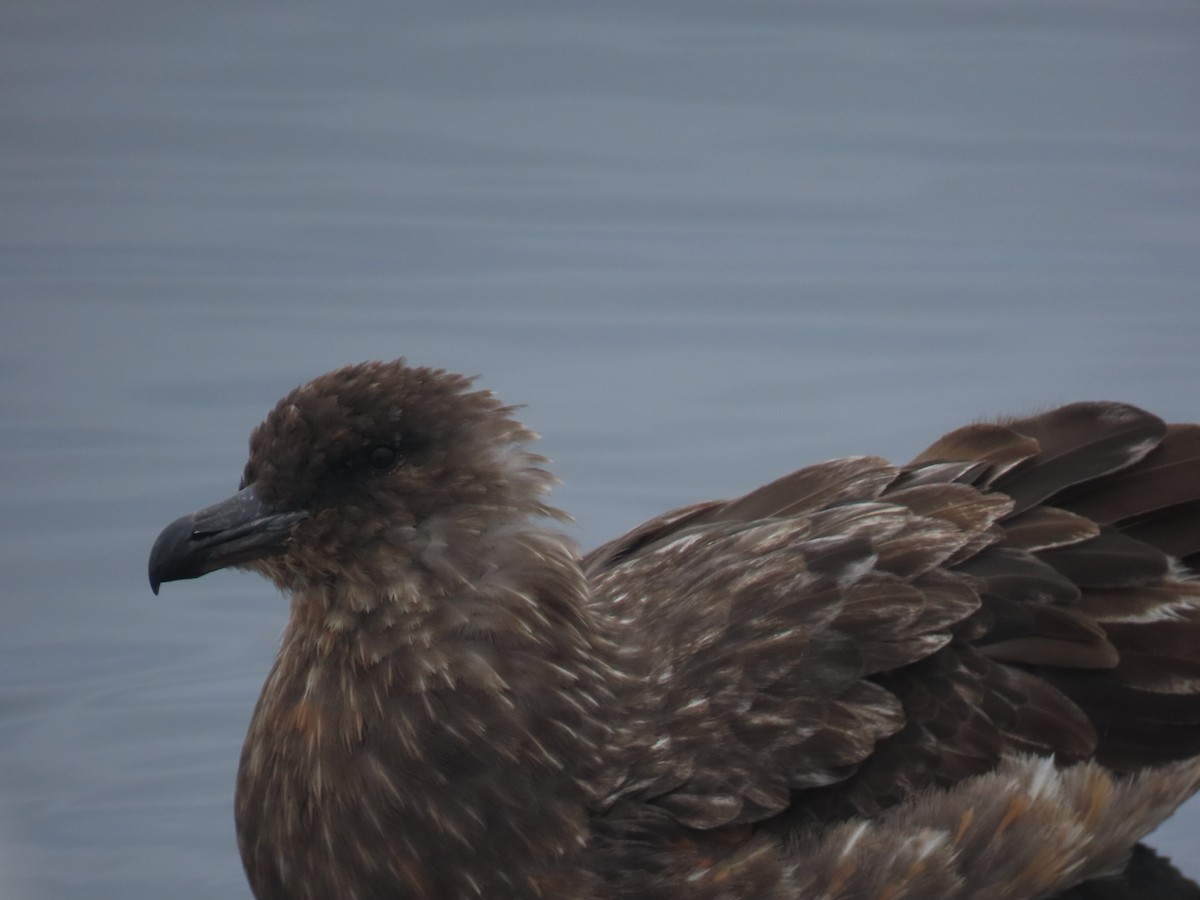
(1077, 443)
(1044, 528)
(1175, 530)
(976, 675)
(1167, 476)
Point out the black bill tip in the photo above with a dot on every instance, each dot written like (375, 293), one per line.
(237, 530)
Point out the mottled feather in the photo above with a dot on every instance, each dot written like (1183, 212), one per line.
(976, 675)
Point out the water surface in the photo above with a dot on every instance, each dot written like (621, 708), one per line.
(704, 242)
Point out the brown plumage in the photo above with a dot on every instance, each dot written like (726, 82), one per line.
(977, 675)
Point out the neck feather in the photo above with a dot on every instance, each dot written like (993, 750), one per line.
(453, 715)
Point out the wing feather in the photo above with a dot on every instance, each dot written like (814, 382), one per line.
(850, 635)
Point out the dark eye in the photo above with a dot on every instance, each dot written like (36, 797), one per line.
(382, 457)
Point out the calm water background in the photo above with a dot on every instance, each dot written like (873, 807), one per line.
(704, 242)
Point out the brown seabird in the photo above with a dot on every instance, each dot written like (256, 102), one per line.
(974, 675)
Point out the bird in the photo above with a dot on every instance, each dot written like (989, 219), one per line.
(976, 674)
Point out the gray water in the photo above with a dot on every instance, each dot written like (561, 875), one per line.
(704, 242)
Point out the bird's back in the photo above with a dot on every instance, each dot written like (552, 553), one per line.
(895, 651)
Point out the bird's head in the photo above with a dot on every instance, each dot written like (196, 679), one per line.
(359, 474)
